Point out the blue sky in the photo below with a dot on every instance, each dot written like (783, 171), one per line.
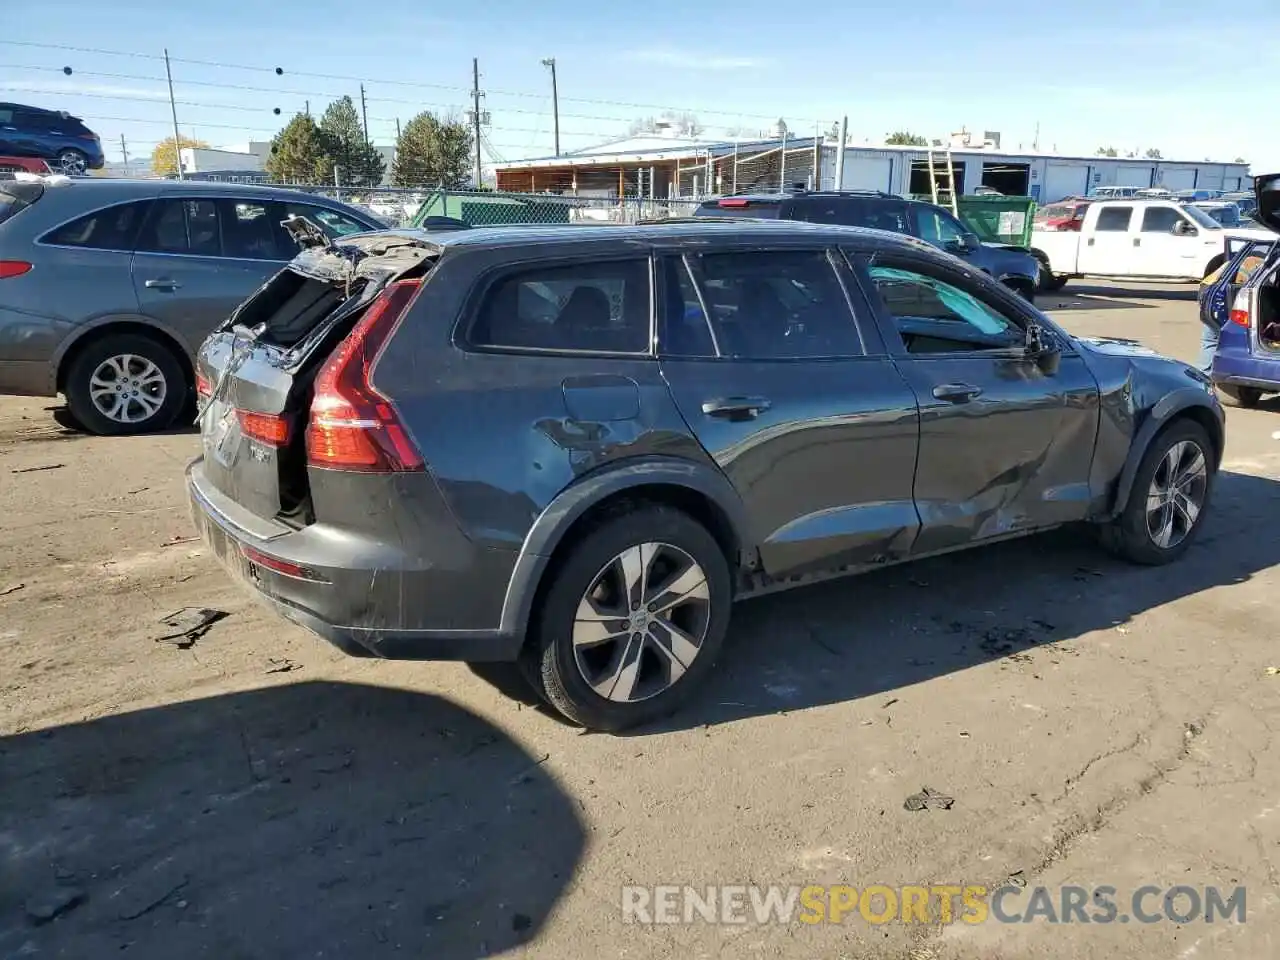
(1137, 75)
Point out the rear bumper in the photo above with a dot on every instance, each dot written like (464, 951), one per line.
(1236, 364)
(352, 593)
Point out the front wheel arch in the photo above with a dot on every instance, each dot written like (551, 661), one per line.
(1179, 408)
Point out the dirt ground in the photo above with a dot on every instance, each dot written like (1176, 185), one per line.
(258, 795)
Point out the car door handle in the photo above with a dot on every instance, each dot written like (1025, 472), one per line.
(736, 408)
(957, 392)
(1137, 241)
(162, 284)
(1090, 243)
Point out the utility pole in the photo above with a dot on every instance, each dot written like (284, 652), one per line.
(475, 113)
(364, 115)
(1036, 144)
(844, 136)
(307, 107)
(397, 130)
(550, 63)
(173, 110)
(124, 152)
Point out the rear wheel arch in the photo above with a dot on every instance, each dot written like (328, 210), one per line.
(101, 331)
(698, 490)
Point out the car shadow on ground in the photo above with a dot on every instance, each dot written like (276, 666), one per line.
(867, 636)
(315, 819)
(1084, 296)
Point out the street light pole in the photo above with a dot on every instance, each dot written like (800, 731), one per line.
(550, 64)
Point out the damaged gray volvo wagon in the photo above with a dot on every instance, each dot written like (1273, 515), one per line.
(574, 447)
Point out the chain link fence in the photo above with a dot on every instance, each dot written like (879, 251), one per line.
(409, 207)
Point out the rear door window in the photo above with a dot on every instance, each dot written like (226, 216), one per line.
(182, 226)
(599, 307)
(1114, 219)
(855, 212)
(111, 228)
(776, 305)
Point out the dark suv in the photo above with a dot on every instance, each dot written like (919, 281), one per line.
(574, 446)
(61, 139)
(1015, 267)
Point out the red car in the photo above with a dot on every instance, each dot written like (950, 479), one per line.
(1064, 215)
(24, 165)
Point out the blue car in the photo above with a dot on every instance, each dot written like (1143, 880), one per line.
(54, 136)
(1243, 304)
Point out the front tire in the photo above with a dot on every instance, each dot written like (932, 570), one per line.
(1046, 280)
(633, 619)
(1168, 500)
(1246, 397)
(125, 384)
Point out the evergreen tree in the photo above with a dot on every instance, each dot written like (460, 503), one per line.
(298, 153)
(433, 152)
(359, 164)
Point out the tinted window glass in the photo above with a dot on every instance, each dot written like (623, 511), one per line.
(330, 221)
(588, 306)
(937, 227)
(112, 228)
(249, 230)
(850, 211)
(685, 330)
(780, 304)
(6, 115)
(182, 226)
(1159, 219)
(1114, 219)
(933, 315)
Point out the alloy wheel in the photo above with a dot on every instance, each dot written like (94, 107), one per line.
(642, 622)
(71, 163)
(128, 388)
(1177, 494)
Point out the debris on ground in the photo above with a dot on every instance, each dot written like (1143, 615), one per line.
(889, 703)
(1016, 879)
(175, 541)
(50, 904)
(928, 799)
(188, 625)
(1273, 671)
(12, 588)
(282, 665)
(48, 466)
(150, 893)
(527, 776)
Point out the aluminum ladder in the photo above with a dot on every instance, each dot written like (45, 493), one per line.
(942, 167)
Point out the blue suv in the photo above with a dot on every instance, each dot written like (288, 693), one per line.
(63, 140)
(1243, 305)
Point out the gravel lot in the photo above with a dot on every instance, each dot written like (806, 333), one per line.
(257, 795)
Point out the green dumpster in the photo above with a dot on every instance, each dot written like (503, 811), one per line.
(994, 219)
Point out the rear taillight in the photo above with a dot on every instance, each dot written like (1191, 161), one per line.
(1239, 313)
(268, 428)
(13, 268)
(204, 387)
(352, 426)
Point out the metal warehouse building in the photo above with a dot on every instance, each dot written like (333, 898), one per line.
(663, 166)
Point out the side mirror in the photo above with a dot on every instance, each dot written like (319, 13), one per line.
(1043, 349)
(1184, 229)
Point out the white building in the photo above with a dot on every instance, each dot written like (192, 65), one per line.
(206, 159)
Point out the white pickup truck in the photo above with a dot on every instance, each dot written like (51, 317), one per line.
(1136, 239)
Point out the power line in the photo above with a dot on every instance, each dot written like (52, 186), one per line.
(280, 71)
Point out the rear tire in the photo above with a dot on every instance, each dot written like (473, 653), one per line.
(126, 384)
(1167, 503)
(1233, 396)
(610, 672)
(1046, 281)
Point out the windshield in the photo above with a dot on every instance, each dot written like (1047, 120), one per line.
(1202, 219)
